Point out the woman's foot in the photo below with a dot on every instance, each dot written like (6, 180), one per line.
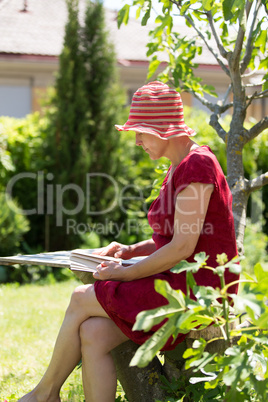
(34, 397)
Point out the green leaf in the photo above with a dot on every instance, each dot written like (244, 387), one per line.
(205, 295)
(227, 9)
(123, 15)
(207, 4)
(222, 259)
(192, 319)
(220, 270)
(148, 350)
(262, 321)
(185, 7)
(203, 361)
(153, 66)
(261, 41)
(247, 301)
(265, 85)
(259, 272)
(175, 297)
(184, 265)
(235, 268)
(147, 13)
(145, 320)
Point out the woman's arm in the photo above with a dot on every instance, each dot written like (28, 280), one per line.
(190, 213)
(119, 250)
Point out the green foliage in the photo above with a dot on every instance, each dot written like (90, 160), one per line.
(25, 139)
(255, 244)
(6, 164)
(69, 122)
(13, 225)
(106, 101)
(181, 51)
(22, 141)
(22, 157)
(82, 138)
(242, 371)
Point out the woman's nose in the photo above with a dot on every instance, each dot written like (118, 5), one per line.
(138, 139)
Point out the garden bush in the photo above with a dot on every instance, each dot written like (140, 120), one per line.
(240, 373)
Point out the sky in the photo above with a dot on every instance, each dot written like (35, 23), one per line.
(113, 4)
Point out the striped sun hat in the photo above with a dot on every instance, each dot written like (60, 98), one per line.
(157, 109)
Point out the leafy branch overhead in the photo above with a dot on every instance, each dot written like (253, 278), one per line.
(234, 32)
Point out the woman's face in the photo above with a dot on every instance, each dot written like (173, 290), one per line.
(153, 145)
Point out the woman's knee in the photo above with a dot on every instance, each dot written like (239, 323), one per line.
(78, 297)
(92, 330)
(100, 333)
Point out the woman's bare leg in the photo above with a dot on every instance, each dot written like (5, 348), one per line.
(99, 336)
(67, 350)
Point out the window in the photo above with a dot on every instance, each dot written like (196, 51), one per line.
(15, 101)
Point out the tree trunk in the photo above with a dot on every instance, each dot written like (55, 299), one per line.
(139, 384)
(234, 147)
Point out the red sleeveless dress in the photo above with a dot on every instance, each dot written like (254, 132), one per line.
(124, 300)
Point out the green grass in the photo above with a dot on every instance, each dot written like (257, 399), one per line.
(30, 317)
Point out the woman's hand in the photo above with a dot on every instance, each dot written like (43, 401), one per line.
(110, 271)
(117, 250)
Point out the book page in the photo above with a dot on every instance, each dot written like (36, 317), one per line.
(84, 260)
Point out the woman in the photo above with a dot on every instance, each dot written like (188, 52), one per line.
(193, 213)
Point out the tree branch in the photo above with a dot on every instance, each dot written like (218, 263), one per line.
(214, 122)
(256, 130)
(256, 95)
(249, 46)
(227, 93)
(250, 73)
(200, 34)
(235, 58)
(213, 107)
(254, 85)
(258, 182)
(220, 46)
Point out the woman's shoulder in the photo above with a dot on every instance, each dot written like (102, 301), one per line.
(199, 165)
(200, 156)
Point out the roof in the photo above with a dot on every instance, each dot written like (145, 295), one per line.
(40, 30)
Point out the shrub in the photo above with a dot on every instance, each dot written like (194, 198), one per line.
(13, 225)
(241, 372)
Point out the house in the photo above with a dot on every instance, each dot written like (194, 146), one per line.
(31, 39)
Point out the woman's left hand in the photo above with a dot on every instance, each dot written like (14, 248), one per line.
(110, 271)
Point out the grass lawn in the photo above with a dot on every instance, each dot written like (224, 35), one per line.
(30, 317)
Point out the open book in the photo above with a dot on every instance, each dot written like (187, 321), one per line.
(84, 260)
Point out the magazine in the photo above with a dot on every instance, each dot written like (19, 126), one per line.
(85, 260)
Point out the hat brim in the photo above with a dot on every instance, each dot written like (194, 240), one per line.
(172, 131)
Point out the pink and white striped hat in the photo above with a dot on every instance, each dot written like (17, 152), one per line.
(157, 109)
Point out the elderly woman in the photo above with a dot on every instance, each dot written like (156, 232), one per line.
(192, 213)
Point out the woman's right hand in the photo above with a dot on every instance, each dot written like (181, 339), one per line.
(117, 250)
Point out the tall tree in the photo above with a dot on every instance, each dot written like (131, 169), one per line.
(235, 33)
(66, 139)
(88, 102)
(106, 101)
